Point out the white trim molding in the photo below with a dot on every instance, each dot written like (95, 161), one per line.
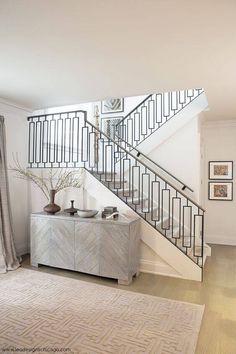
(217, 240)
(219, 123)
(15, 105)
(157, 268)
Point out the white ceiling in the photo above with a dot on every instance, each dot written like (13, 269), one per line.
(60, 52)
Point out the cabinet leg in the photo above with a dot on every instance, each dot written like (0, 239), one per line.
(137, 273)
(125, 282)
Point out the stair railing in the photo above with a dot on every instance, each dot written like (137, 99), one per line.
(156, 166)
(68, 140)
(152, 113)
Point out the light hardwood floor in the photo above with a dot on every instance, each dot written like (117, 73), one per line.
(217, 293)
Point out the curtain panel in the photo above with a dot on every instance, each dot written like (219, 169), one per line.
(8, 258)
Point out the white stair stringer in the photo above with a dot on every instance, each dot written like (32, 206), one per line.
(183, 265)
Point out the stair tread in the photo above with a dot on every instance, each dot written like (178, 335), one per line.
(102, 174)
(130, 200)
(115, 180)
(120, 190)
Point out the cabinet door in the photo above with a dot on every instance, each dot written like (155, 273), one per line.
(87, 247)
(62, 243)
(40, 241)
(114, 250)
(52, 242)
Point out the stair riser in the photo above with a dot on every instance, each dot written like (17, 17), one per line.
(114, 184)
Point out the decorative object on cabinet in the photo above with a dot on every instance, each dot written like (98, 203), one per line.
(108, 248)
(112, 105)
(220, 191)
(51, 182)
(110, 212)
(112, 216)
(220, 170)
(52, 208)
(71, 210)
(87, 213)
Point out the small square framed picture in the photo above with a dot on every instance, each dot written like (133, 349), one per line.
(109, 126)
(220, 170)
(220, 191)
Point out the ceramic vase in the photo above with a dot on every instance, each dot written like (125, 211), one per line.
(52, 208)
(71, 210)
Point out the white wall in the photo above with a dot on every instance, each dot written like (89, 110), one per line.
(219, 143)
(17, 141)
(180, 155)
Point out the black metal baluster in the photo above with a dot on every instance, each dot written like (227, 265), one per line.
(38, 141)
(174, 101)
(159, 109)
(136, 183)
(144, 121)
(152, 115)
(173, 217)
(32, 141)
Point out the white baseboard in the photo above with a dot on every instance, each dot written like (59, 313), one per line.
(207, 250)
(159, 268)
(219, 240)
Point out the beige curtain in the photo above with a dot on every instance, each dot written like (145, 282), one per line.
(8, 258)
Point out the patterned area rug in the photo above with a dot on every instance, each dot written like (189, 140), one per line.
(44, 313)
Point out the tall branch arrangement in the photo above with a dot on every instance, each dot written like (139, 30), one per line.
(55, 178)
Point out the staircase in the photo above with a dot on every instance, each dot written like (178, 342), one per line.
(68, 140)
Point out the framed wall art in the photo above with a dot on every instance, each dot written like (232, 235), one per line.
(220, 191)
(112, 105)
(108, 125)
(220, 170)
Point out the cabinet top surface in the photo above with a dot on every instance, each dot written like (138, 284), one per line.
(123, 219)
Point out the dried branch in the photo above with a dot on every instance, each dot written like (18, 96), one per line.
(63, 178)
